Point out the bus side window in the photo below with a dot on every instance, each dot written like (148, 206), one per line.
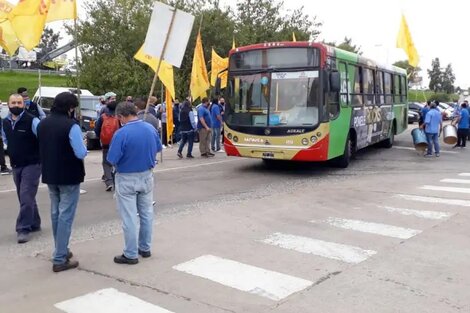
(344, 94)
(403, 89)
(331, 98)
(368, 76)
(357, 94)
(380, 87)
(397, 88)
(388, 88)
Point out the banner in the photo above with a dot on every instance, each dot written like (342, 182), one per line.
(405, 42)
(62, 10)
(199, 78)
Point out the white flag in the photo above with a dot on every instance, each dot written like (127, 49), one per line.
(159, 29)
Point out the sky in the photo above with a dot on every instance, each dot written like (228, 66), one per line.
(438, 29)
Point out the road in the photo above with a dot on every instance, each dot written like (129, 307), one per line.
(388, 234)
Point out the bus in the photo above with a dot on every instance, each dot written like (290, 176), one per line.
(305, 101)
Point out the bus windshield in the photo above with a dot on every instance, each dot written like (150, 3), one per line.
(289, 99)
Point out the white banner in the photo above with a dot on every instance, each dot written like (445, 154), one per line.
(158, 31)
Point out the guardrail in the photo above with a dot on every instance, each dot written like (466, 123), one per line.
(43, 72)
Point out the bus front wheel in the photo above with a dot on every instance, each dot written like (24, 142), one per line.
(344, 160)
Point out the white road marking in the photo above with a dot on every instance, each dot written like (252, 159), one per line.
(373, 228)
(464, 174)
(108, 300)
(447, 189)
(331, 250)
(431, 215)
(455, 181)
(457, 202)
(413, 149)
(155, 171)
(255, 280)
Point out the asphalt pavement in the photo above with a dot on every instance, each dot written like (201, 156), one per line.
(388, 234)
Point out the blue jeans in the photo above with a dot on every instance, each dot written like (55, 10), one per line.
(433, 139)
(215, 141)
(189, 138)
(134, 196)
(64, 200)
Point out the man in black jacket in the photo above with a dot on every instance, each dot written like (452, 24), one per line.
(62, 153)
(19, 132)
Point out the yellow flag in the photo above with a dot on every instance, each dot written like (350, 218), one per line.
(405, 42)
(28, 19)
(169, 115)
(62, 10)
(166, 69)
(199, 79)
(219, 64)
(8, 40)
(293, 37)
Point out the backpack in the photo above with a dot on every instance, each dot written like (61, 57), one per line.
(108, 128)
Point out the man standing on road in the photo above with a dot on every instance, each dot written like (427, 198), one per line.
(133, 153)
(105, 127)
(463, 122)
(433, 127)
(187, 128)
(30, 106)
(62, 153)
(204, 128)
(19, 132)
(217, 122)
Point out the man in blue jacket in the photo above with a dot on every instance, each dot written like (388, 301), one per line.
(133, 153)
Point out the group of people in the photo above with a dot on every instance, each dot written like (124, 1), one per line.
(52, 147)
(431, 123)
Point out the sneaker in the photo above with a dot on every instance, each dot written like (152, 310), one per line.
(69, 264)
(437, 155)
(23, 237)
(5, 171)
(204, 155)
(189, 156)
(122, 259)
(221, 151)
(109, 188)
(427, 155)
(145, 254)
(210, 155)
(103, 178)
(35, 229)
(456, 146)
(179, 155)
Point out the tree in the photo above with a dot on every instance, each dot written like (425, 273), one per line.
(109, 41)
(412, 72)
(435, 75)
(448, 80)
(49, 41)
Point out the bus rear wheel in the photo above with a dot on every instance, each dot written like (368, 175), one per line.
(388, 143)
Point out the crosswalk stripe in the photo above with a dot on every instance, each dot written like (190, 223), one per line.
(455, 181)
(255, 280)
(413, 149)
(373, 228)
(464, 174)
(431, 215)
(447, 189)
(108, 300)
(331, 250)
(457, 202)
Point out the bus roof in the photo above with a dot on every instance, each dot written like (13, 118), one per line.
(324, 50)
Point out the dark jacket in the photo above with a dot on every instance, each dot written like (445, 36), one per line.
(60, 166)
(32, 109)
(23, 146)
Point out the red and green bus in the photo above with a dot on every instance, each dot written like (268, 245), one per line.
(305, 101)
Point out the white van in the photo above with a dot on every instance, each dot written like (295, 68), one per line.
(45, 96)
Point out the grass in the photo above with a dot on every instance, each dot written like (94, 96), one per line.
(11, 81)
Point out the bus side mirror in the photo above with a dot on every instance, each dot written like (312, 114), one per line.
(217, 86)
(335, 81)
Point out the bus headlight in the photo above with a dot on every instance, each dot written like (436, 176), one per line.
(305, 141)
(313, 139)
(235, 138)
(229, 136)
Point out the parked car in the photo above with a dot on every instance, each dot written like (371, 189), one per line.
(446, 110)
(44, 96)
(415, 106)
(413, 117)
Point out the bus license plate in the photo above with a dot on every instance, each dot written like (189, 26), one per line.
(268, 155)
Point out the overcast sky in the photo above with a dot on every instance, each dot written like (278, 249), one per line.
(438, 28)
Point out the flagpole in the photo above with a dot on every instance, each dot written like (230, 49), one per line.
(79, 115)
